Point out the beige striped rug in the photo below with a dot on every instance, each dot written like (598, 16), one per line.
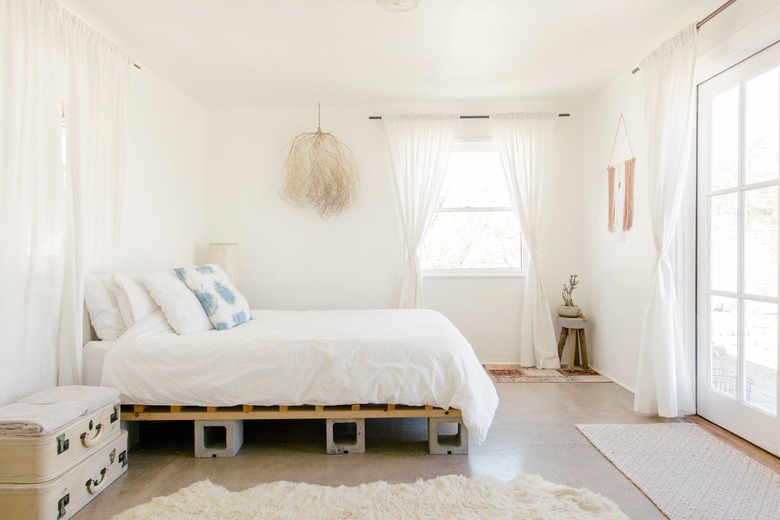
(687, 472)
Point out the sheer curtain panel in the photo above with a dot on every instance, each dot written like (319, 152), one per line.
(525, 145)
(33, 198)
(94, 101)
(420, 147)
(47, 223)
(663, 383)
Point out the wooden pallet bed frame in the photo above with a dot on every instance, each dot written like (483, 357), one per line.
(231, 418)
(250, 412)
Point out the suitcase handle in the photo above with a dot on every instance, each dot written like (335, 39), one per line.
(93, 484)
(87, 442)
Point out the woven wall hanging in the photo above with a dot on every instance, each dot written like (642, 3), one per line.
(621, 186)
(321, 173)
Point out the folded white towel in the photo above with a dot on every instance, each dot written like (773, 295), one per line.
(38, 419)
(93, 397)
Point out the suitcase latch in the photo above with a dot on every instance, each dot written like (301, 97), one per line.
(123, 459)
(62, 443)
(115, 415)
(61, 503)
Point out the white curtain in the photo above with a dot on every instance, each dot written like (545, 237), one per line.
(420, 148)
(663, 383)
(32, 198)
(44, 51)
(94, 104)
(525, 144)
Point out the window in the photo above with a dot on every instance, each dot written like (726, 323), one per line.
(474, 228)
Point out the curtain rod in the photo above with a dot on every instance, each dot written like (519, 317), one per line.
(707, 18)
(470, 117)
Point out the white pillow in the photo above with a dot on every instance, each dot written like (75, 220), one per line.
(133, 298)
(102, 306)
(224, 305)
(179, 304)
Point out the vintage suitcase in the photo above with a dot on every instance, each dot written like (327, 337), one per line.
(62, 497)
(30, 460)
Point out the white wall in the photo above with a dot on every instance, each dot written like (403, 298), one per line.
(292, 259)
(163, 203)
(619, 266)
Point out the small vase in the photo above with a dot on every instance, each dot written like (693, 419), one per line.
(569, 311)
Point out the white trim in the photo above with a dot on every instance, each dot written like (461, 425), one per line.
(478, 144)
(474, 144)
(754, 38)
(472, 209)
(732, 412)
(475, 273)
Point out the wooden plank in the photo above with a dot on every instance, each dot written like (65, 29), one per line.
(283, 408)
(248, 407)
(175, 409)
(138, 408)
(355, 407)
(751, 450)
(211, 409)
(390, 407)
(319, 408)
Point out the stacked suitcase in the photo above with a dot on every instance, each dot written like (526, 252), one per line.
(51, 477)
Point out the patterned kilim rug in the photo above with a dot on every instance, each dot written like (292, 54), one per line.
(518, 374)
(687, 472)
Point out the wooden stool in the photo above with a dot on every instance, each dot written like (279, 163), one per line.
(578, 340)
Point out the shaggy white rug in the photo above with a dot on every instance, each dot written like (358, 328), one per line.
(687, 472)
(448, 497)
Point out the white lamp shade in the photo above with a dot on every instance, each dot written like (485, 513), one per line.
(225, 256)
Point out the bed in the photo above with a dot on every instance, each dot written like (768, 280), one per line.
(297, 364)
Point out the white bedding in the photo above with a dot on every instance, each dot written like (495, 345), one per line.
(411, 357)
(93, 355)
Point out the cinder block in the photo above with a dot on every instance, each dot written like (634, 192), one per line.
(345, 436)
(440, 442)
(133, 429)
(218, 438)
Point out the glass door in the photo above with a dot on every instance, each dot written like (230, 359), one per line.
(737, 259)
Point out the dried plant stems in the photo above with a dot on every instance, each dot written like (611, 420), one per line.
(321, 174)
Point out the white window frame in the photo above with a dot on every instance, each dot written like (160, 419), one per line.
(486, 144)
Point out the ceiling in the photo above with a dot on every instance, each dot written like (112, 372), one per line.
(290, 52)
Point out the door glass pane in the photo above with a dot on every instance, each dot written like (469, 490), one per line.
(724, 155)
(723, 337)
(761, 119)
(724, 244)
(761, 355)
(761, 241)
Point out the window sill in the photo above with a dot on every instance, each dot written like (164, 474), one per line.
(475, 274)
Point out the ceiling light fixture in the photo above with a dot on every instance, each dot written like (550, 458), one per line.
(398, 6)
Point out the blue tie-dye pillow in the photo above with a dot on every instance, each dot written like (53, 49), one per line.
(224, 305)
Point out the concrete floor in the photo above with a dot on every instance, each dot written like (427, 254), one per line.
(533, 433)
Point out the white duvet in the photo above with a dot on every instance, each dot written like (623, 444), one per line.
(411, 357)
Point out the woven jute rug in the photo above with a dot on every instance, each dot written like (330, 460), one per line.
(508, 373)
(687, 472)
(449, 497)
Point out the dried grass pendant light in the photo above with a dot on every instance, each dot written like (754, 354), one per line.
(321, 173)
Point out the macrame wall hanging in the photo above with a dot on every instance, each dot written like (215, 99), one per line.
(321, 173)
(620, 181)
